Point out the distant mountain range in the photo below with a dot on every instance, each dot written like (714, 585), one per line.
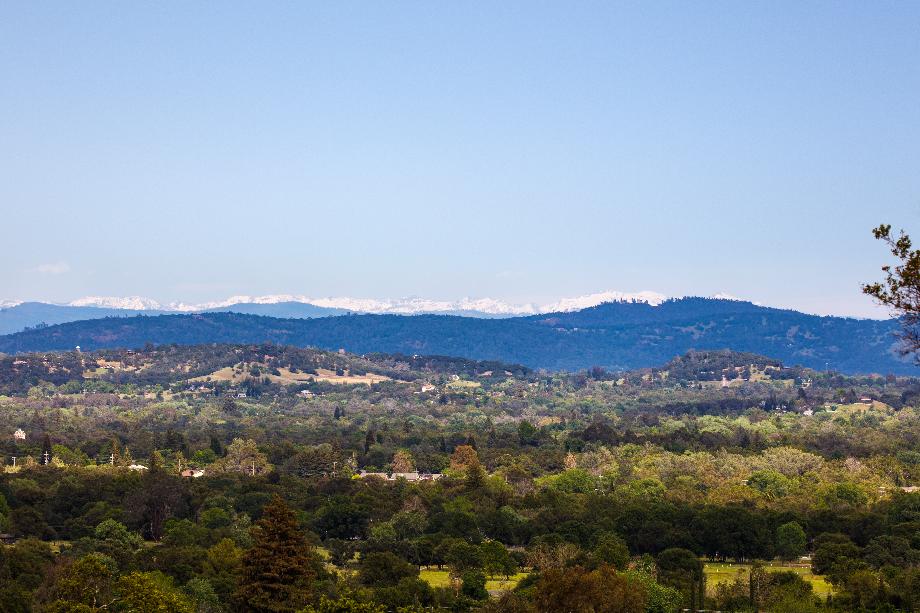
(616, 335)
(16, 316)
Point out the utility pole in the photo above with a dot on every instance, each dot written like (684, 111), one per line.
(45, 458)
(253, 468)
(14, 461)
(112, 459)
(334, 464)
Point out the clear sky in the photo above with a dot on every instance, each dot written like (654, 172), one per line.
(522, 151)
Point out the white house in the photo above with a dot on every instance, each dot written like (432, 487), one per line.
(19, 435)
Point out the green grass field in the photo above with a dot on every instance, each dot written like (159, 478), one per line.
(441, 578)
(718, 572)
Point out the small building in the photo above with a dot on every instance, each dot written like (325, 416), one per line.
(413, 476)
(137, 467)
(192, 473)
(364, 474)
(7, 539)
(19, 435)
(428, 388)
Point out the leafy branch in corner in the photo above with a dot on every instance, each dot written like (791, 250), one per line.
(900, 290)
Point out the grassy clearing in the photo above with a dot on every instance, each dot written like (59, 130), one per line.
(441, 578)
(461, 384)
(435, 578)
(237, 374)
(718, 572)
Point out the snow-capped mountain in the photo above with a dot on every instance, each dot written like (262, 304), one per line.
(133, 303)
(404, 306)
(590, 300)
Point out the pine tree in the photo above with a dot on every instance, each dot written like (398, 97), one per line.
(216, 447)
(46, 450)
(126, 458)
(279, 569)
(115, 458)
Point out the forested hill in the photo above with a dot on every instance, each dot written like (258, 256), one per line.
(615, 336)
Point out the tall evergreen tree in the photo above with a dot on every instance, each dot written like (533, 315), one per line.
(216, 447)
(46, 450)
(279, 569)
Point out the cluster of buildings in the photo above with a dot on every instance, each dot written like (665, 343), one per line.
(415, 476)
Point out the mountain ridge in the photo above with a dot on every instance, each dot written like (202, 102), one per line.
(619, 335)
(16, 316)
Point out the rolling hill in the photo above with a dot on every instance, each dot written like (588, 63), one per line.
(618, 335)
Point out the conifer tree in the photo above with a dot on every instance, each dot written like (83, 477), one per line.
(46, 450)
(278, 571)
(115, 458)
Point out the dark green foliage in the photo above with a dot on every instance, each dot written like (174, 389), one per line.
(474, 585)
(278, 571)
(790, 541)
(382, 568)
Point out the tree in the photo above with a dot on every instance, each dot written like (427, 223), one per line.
(382, 568)
(462, 556)
(222, 567)
(88, 582)
(203, 595)
(157, 499)
(680, 568)
(463, 457)
(496, 560)
(403, 462)
(474, 585)
(243, 456)
(790, 541)
(611, 549)
(114, 540)
(527, 433)
(576, 590)
(151, 593)
(900, 290)
(215, 445)
(836, 556)
(277, 573)
(47, 454)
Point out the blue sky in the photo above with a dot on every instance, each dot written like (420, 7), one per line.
(522, 151)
